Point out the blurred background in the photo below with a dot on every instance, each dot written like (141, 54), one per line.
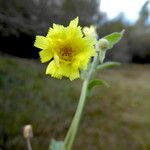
(117, 118)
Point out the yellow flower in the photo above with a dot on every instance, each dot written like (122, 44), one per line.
(66, 49)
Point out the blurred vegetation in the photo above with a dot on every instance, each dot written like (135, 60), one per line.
(115, 118)
(135, 46)
(21, 21)
(33, 17)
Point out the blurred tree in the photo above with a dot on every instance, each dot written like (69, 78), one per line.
(87, 10)
(144, 13)
(139, 46)
(21, 20)
(26, 16)
(139, 37)
(35, 16)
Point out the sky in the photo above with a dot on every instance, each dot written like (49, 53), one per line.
(130, 8)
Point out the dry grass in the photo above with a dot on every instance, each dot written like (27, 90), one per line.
(115, 118)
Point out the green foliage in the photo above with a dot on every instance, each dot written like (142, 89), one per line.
(94, 83)
(100, 67)
(120, 52)
(108, 65)
(114, 38)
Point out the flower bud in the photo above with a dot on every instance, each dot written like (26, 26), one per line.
(90, 31)
(27, 131)
(103, 44)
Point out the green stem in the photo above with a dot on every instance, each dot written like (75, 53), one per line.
(68, 142)
(29, 144)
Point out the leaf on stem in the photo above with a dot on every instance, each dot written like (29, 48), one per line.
(114, 38)
(108, 65)
(56, 145)
(94, 83)
(108, 42)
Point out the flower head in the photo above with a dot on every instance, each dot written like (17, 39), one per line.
(67, 50)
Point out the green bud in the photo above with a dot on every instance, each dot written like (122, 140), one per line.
(103, 44)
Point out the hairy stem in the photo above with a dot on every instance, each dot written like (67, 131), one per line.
(68, 142)
(29, 144)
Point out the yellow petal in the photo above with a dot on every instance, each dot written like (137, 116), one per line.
(56, 59)
(57, 27)
(74, 23)
(74, 75)
(68, 71)
(53, 70)
(45, 55)
(41, 42)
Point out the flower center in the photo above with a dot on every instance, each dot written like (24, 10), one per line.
(66, 53)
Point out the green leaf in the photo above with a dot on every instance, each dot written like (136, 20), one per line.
(108, 65)
(56, 145)
(94, 83)
(114, 38)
